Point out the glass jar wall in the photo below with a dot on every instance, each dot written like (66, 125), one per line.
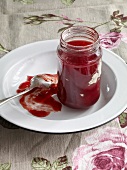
(79, 67)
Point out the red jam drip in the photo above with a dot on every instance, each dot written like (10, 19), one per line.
(39, 102)
(75, 72)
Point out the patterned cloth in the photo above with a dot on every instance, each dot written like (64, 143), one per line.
(19, 146)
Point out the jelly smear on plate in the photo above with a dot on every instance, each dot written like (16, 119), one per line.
(39, 102)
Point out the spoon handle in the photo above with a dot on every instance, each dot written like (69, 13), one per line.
(2, 101)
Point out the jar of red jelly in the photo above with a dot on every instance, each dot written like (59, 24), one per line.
(79, 67)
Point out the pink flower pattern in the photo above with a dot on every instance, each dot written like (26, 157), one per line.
(105, 150)
(112, 40)
(79, 19)
(65, 17)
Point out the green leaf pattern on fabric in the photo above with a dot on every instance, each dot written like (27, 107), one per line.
(62, 29)
(67, 2)
(67, 168)
(24, 1)
(43, 164)
(40, 164)
(60, 163)
(3, 49)
(5, 166)
(123, 119)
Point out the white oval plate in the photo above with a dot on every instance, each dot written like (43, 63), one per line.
(40, 57)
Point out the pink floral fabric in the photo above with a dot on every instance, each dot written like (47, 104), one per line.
(105, 150)
(112, 40)
(65, 17)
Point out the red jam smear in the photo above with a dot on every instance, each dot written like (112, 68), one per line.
(75, 72)
(39, 102)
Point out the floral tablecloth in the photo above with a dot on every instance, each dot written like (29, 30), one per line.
(102, 148)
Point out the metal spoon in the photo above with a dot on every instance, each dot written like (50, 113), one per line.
(36, 81)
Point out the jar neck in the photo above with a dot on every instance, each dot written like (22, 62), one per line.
(80, 34)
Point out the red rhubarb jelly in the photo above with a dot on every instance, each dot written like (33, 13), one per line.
(79, 67)
(39, 101)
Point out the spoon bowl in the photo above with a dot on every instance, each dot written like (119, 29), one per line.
(36, 81)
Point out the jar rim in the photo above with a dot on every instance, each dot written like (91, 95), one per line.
(89, 30)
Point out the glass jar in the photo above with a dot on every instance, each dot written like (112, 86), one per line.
(79, 67)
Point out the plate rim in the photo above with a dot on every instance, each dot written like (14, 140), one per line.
(72, 120)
